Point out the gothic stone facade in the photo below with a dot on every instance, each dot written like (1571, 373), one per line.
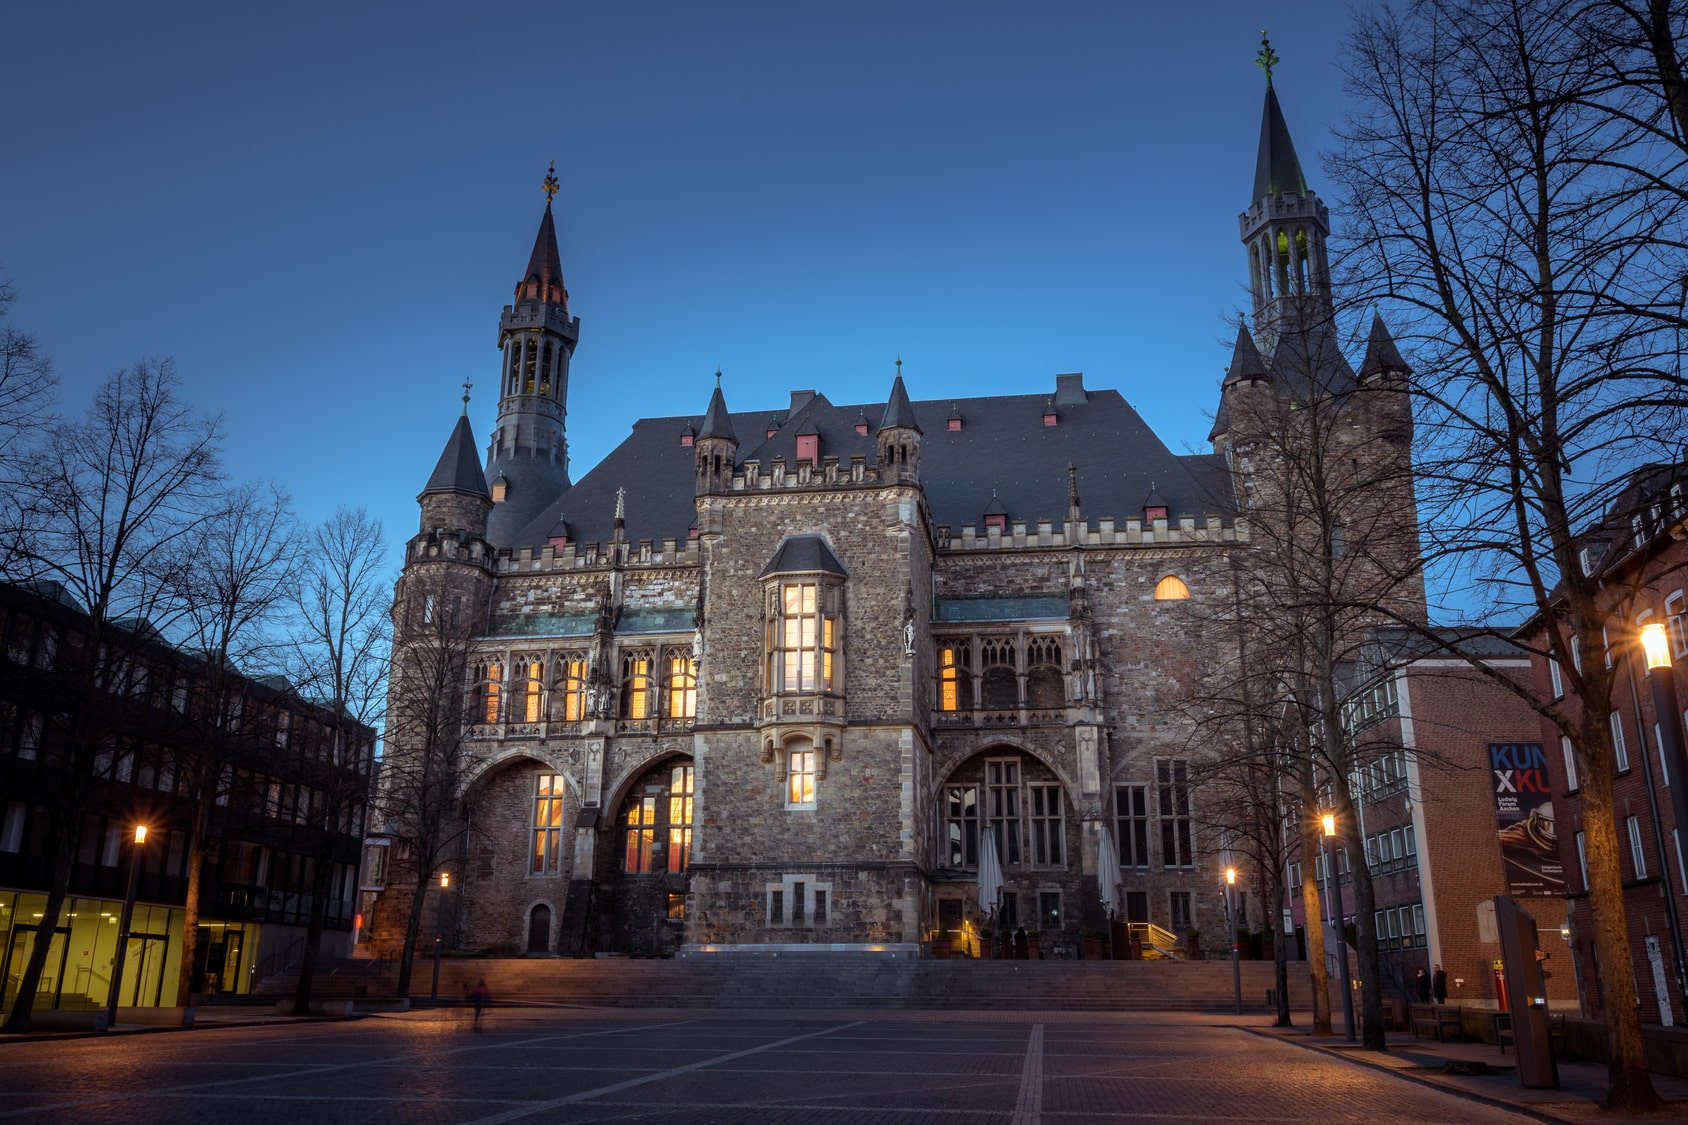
(783, 677)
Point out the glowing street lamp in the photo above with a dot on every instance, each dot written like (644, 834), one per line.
(1662, 676)
(118, 957)
(1231, 924)
(1334, 890)
(439, 932)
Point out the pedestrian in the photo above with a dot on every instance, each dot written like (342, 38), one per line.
(1423, 985)
(1439, 985)
(480, 996)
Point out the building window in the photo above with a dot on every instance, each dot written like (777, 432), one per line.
(641, 835)
(1049, 910)
(805, 637)
(1677, 625)
(547, 823)
(776, 908)
(636, 686)
(573, 678)
(955, 678)
(679, 818)
(676, 907)
(1048, 829)
(1638, 859)
(1179, 912)
(1131, 806)
(1659, 744)
(1582, 858)
(961, 826)
(1002, 796)
(1008, 913)
(1171, 588)
(800, 774)
(529, 677)
(1556, 677)
(492, 690)
(1173, 782)
(820, 908)
(682, 686)
(1570, 762)
(1620, 752)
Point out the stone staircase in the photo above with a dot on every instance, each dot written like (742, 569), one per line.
(819, 980)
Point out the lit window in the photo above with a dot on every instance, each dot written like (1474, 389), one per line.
(800, 775)
(955, 678)
(676, 904)
(492, 688)
(530, 705)
(682, 686)
(679, 818)
(641, 834)
(573, 671)
(807, 639)
(1170, 589)
(547, 823)
(636, 686)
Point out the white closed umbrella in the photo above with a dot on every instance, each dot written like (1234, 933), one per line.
(1107, 870)
(990, 874)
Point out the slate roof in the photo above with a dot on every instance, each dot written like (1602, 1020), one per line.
(804, 554)
(545, 266)
(459, 468)
(1276, 169)
(1003, 446)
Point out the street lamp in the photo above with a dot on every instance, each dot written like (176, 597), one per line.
(1334, 889)
(122, 950)
(439, 931)
(1231, 923)
(1662, 676)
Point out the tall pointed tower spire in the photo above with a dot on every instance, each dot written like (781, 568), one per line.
(528, 454)
(1284, 228)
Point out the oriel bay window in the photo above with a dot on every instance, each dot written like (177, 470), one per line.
(804, 636)
(681, 686)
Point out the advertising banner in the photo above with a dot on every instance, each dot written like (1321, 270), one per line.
(1529, 846)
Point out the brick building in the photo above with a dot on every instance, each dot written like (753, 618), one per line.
(1637, 553)
(779, 677)
(256, 880)
(1433, 728)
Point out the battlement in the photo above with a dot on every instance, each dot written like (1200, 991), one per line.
(1106, 533)
(644, 553)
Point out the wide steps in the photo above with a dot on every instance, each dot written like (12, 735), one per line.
(815, 981)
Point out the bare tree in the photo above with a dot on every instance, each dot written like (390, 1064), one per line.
(240, 573)
(340, 655)
(27, 389)
(1520, 207)
(119, 492)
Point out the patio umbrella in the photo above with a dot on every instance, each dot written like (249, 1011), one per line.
(990, 874)
(1107, 869)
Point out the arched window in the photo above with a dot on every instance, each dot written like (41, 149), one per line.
(491, 680)
(529, 684)
(572, 680)
(656, 822)
(1171, 588)
(955, 678)
(680, 690)
(636, 686)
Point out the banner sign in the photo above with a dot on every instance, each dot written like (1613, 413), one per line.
(1529, 846)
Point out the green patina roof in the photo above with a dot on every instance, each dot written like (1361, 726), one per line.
(546, 625)
(1009, 608)
(657, 619)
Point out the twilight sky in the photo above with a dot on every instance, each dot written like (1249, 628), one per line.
(320, 209)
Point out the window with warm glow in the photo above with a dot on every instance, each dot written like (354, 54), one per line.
(492, 689)
(679, 818)
(682, 686)
(641, 834)
(547, 823)
(800, 774)
(573, 679)
(531, 705)
(955, 679)
(804, 636)
(1171, 588)
(657, 822)
(636, 686)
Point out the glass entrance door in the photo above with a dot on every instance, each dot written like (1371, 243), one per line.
(52, 974)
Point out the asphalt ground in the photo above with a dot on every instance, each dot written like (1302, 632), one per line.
(870, 1068)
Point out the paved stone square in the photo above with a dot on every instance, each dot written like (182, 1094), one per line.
(872, 1068)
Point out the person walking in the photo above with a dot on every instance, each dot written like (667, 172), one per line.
(480, 996)
(1423, 981)
(1439, 985)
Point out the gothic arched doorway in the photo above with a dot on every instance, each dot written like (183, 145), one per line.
(539, 929)
(647, 848)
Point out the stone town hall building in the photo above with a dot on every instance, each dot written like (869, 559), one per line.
(767, 677)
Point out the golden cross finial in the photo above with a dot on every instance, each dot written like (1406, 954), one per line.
(1267, 58)
(551, 184)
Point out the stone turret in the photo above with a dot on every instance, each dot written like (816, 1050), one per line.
(899, 434)
(716, 446)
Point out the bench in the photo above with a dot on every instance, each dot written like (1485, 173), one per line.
(1555, 1032)
(1439, 1021)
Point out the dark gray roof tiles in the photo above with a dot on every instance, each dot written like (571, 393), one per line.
(1004, 446)
(899, 412)
(1381, 353)
(1276, 169)
(804, 554)
(459, 468)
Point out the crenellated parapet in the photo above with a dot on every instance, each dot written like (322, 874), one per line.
(1107, 532)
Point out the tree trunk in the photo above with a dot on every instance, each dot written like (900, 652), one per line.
(322, 880)
(1365, 929)
(1280, 956)
(1311, 908)
(418, 900)
(185, 995)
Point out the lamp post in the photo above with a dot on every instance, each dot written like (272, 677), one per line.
(439, 932)
(1662, 676)
(119, 955)
(1334, 889)
(1231, 924)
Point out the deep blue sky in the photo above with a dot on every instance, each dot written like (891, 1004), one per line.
(320, 209)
